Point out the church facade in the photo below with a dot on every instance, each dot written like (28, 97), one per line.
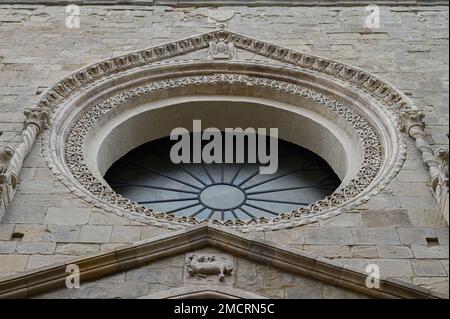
(93, 205)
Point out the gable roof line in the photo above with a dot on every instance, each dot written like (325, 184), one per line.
(206, 234)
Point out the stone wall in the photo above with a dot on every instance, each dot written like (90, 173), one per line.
(170, 273)
(402, 230)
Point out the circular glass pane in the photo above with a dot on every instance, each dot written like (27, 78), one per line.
(147, 175)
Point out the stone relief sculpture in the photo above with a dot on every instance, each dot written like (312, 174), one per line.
(221, 50)
(205, 265)
(442, 155)
(6, 154)
(440, 191)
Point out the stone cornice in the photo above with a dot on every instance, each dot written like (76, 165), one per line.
(217, 3)
(206, 235)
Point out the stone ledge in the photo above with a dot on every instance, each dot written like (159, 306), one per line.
(141, 253)
(216, 3)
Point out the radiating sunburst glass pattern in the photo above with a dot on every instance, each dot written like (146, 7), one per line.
(147, 176)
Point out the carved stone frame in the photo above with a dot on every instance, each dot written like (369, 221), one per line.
(359, 97)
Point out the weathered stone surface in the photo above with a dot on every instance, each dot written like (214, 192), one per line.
(415, 236)
(47, 213)
(64, 233)
(394, 267)
(32, 232)
(43, 248)
(20, 214)
(375, 236)
(428, 268)
(6, 231)
(304, 292)
(36, 261)
(102, 218)
(67, 216)
(436, 284)
(328, 235)
(394, 252)
(167, 276)
(95, 234)
(10, 263)
(77, 249)
(126, 234)
(384, 218)
(330, 251)
(7, 247)
(439, 252)
(364, 252)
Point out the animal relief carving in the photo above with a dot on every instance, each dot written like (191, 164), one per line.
(202, 265)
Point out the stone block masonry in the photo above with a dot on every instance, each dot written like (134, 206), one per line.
(401, 229)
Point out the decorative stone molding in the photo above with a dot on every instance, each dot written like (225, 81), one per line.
(6, 189)
(363, 80)
(372, 160)
(36, 120)
(69, 119)
(11, 161)
(209, 3)
(202, 292)
(413, 124)
(234, 243)
(442, 155)
(442, 186)
(6, 153)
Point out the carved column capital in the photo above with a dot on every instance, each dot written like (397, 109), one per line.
(413, 122)
(37, 116)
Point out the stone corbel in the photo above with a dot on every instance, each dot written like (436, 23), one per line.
(11, 161)
(413, 124)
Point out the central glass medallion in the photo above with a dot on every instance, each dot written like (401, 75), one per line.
(222, 197)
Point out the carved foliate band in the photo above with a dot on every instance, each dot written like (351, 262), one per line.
(372, 146)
